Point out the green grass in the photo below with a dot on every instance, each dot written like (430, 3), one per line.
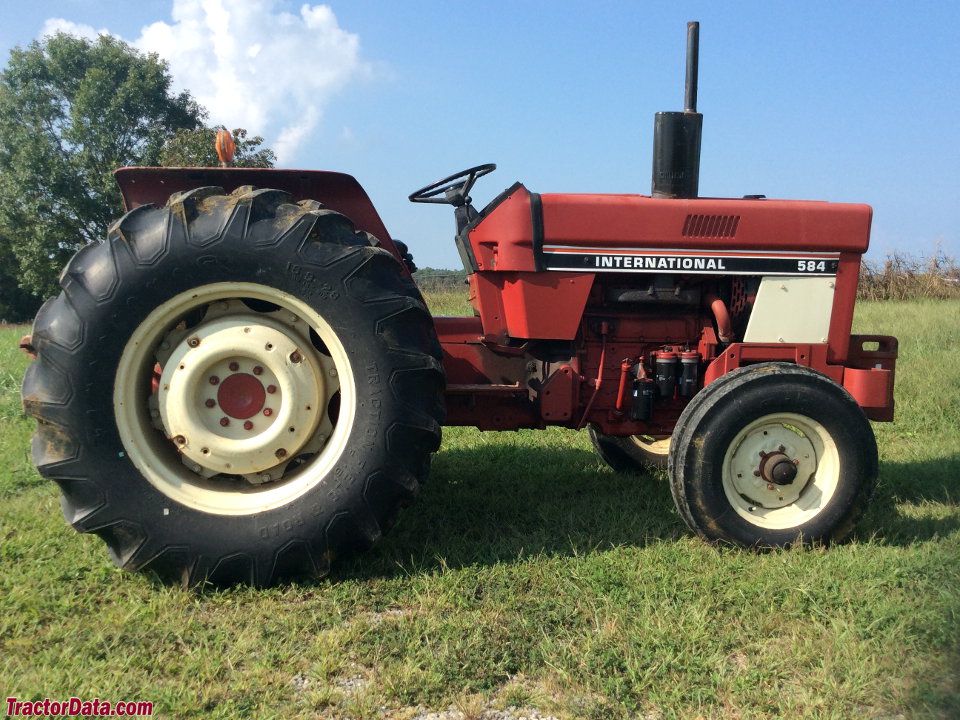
(527, 575)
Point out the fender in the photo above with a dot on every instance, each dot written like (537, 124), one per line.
(338, 191)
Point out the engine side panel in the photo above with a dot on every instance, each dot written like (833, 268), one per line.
(792, 310)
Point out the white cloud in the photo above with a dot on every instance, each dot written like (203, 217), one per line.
(52, 26)
(253, 66)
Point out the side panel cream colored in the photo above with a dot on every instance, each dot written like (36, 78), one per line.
(791, 310)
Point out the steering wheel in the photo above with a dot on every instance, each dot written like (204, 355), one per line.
(452, 190)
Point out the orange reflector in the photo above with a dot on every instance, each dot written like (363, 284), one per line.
(225, 147)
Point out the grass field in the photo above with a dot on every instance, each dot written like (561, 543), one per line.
(527, 576)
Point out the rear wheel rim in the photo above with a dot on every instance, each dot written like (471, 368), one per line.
(781, 470)
(254, 404)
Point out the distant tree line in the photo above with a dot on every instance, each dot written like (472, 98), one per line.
(434, 280)
(73, 110)
(901, 277)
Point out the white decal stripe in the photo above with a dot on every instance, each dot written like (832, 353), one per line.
(805, 254)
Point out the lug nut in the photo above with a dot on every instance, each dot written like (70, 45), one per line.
(211, 403)
(268, 412)
(295, 357)
(248, 425)
(193, 342)
(214, 380)
(234, 366)
(224, 421)
(271, 389)
(180, 440)
(281, 453)
(257, 370)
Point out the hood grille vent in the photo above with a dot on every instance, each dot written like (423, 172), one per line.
(711, 226)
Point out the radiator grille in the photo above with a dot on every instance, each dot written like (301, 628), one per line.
(711, 226)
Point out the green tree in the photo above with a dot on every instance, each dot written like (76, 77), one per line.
(71, 111)
(16, 304)
(197, 148)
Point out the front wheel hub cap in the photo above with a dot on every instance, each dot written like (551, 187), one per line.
(241, 394)
(771, 464)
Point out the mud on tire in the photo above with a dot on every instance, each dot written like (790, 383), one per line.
(234, 388)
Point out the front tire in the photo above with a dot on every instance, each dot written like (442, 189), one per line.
(631, 454)
(234, 388)
(770, 455)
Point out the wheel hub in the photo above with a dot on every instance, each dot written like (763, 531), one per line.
(772, 465)
(241, 396)
(777, 468)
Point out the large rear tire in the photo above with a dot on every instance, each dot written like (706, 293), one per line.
(234, 388)
(770, 455)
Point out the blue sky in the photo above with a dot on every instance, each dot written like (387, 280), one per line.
(842, 101)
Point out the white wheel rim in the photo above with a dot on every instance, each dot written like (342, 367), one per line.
(238, 423)
(653, 444)
(777, 502)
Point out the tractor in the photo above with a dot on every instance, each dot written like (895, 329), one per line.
(243, 382)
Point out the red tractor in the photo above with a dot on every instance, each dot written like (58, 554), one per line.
(241, 384)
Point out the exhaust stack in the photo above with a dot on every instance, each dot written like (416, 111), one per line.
(676, 135)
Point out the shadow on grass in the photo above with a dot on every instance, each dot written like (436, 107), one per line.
(491, 505)
(923, 484)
